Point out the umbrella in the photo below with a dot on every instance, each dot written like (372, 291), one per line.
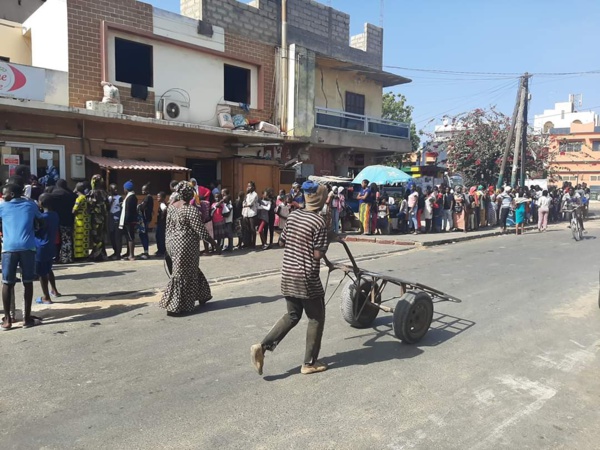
(382, 175)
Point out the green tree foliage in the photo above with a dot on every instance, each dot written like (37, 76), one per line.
(477, 144)
(395, 108)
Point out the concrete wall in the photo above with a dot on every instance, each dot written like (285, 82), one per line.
(585, 165)
(13, 44)
(331, 87)
(200, 74)
(310, 24)
(18, 10)
(562, 116)
(47, 28)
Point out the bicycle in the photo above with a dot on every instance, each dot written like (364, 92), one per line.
(575, 226)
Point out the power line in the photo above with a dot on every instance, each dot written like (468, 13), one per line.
(508, 74)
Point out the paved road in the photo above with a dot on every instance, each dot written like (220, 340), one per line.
(515, 365)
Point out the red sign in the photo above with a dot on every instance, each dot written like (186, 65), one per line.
(11, 160)
(22, 82)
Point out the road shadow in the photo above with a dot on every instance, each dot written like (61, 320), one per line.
(217, 305)
(114, 296)
(93, 313)
(88, 275)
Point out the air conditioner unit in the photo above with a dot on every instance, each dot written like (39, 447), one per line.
(175, 110)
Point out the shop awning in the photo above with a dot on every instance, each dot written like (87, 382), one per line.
(132, 164)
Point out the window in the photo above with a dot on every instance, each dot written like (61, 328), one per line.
(548, 126)
(569, 178)
(134, 62)
(109, 153)
(594, 177)
(596, 146)
(237, 84)
(573, 146)
(4, 58)
(355, 103)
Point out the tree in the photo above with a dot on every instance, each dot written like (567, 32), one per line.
(476, 146)
(395, 108)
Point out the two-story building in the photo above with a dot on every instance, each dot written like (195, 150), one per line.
(574, 138)
(177, 76)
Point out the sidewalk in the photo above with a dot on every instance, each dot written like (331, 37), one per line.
(432, 239)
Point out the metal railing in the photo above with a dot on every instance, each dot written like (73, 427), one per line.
(341, 120)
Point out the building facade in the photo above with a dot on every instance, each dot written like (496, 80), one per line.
(177, 75)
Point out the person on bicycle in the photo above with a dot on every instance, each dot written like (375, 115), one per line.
(573, 202)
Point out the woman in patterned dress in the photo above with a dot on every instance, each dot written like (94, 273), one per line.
(82, 223)
(184, 233)
(98, 207)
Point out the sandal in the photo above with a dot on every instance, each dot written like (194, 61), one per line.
(41, 301)
(5, 326)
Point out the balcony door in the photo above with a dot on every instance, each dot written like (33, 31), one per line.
(355, 103)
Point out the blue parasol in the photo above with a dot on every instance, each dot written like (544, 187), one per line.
(382, 175)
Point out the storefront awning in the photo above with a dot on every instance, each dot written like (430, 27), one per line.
(132, 164)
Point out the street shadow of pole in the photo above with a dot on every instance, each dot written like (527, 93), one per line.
(236, 303)
(88, 275)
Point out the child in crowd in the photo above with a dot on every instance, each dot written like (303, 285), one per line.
(161, 224)
(383, 212)
(218, 220)
(45, 242)
(283, 211)
(228, 214)
(263, 216)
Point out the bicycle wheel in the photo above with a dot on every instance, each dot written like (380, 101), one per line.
(575, 229)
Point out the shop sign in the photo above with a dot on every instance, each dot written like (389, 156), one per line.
(11, 160)
(22, 82)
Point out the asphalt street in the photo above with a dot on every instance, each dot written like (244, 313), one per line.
(515, 365)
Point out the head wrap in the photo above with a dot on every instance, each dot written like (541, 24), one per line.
(314, 201)
(185, 191)
(96, 179)
(480, 187)
(507, 189)
(472, 190)
(310, 187)
(193, 181)
(128, 186)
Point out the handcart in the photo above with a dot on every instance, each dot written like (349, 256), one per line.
(363, 297)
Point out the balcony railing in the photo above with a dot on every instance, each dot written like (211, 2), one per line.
(341, 120)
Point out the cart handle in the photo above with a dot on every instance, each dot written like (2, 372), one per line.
(332, 237)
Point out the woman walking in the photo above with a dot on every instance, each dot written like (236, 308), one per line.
(82, 223)
(364, 211)
(63, 199)
(543, 204)
(520, 213)
(185, 231)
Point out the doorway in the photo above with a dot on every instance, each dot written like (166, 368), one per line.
(45, 161)
(203, 170)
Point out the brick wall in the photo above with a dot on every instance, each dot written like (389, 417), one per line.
(310, 24)
(85, 59)
(264, 55)
(135, 106)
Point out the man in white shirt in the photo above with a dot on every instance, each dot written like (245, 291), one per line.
(249, 212)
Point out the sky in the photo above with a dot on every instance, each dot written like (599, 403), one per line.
(501, 38)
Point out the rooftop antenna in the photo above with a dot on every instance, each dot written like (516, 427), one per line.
(381, 12)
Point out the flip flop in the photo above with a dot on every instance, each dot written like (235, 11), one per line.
(58, 294)
(40, 301)
(3, 328)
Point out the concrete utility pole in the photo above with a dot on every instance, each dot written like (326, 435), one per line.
(519, 131)
(524, 137)
(511, 133)
(284, 68)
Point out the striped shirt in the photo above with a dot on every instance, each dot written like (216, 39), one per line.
(304, 233)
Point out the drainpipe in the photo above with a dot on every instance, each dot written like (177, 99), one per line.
(284, 67)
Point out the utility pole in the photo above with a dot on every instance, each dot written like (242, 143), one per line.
(284, 67)
(511, 133)
(519, 130)
(524, 137)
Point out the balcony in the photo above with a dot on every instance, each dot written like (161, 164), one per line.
(340, 120)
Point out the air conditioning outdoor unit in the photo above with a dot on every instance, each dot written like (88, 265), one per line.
(175, 110)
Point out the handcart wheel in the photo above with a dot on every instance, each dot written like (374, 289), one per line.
(413, 316)
(354, 310)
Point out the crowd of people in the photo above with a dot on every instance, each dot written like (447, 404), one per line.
(442, 209)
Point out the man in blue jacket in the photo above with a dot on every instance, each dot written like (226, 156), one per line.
(18, 216)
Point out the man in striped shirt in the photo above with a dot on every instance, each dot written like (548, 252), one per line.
(305, 241)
